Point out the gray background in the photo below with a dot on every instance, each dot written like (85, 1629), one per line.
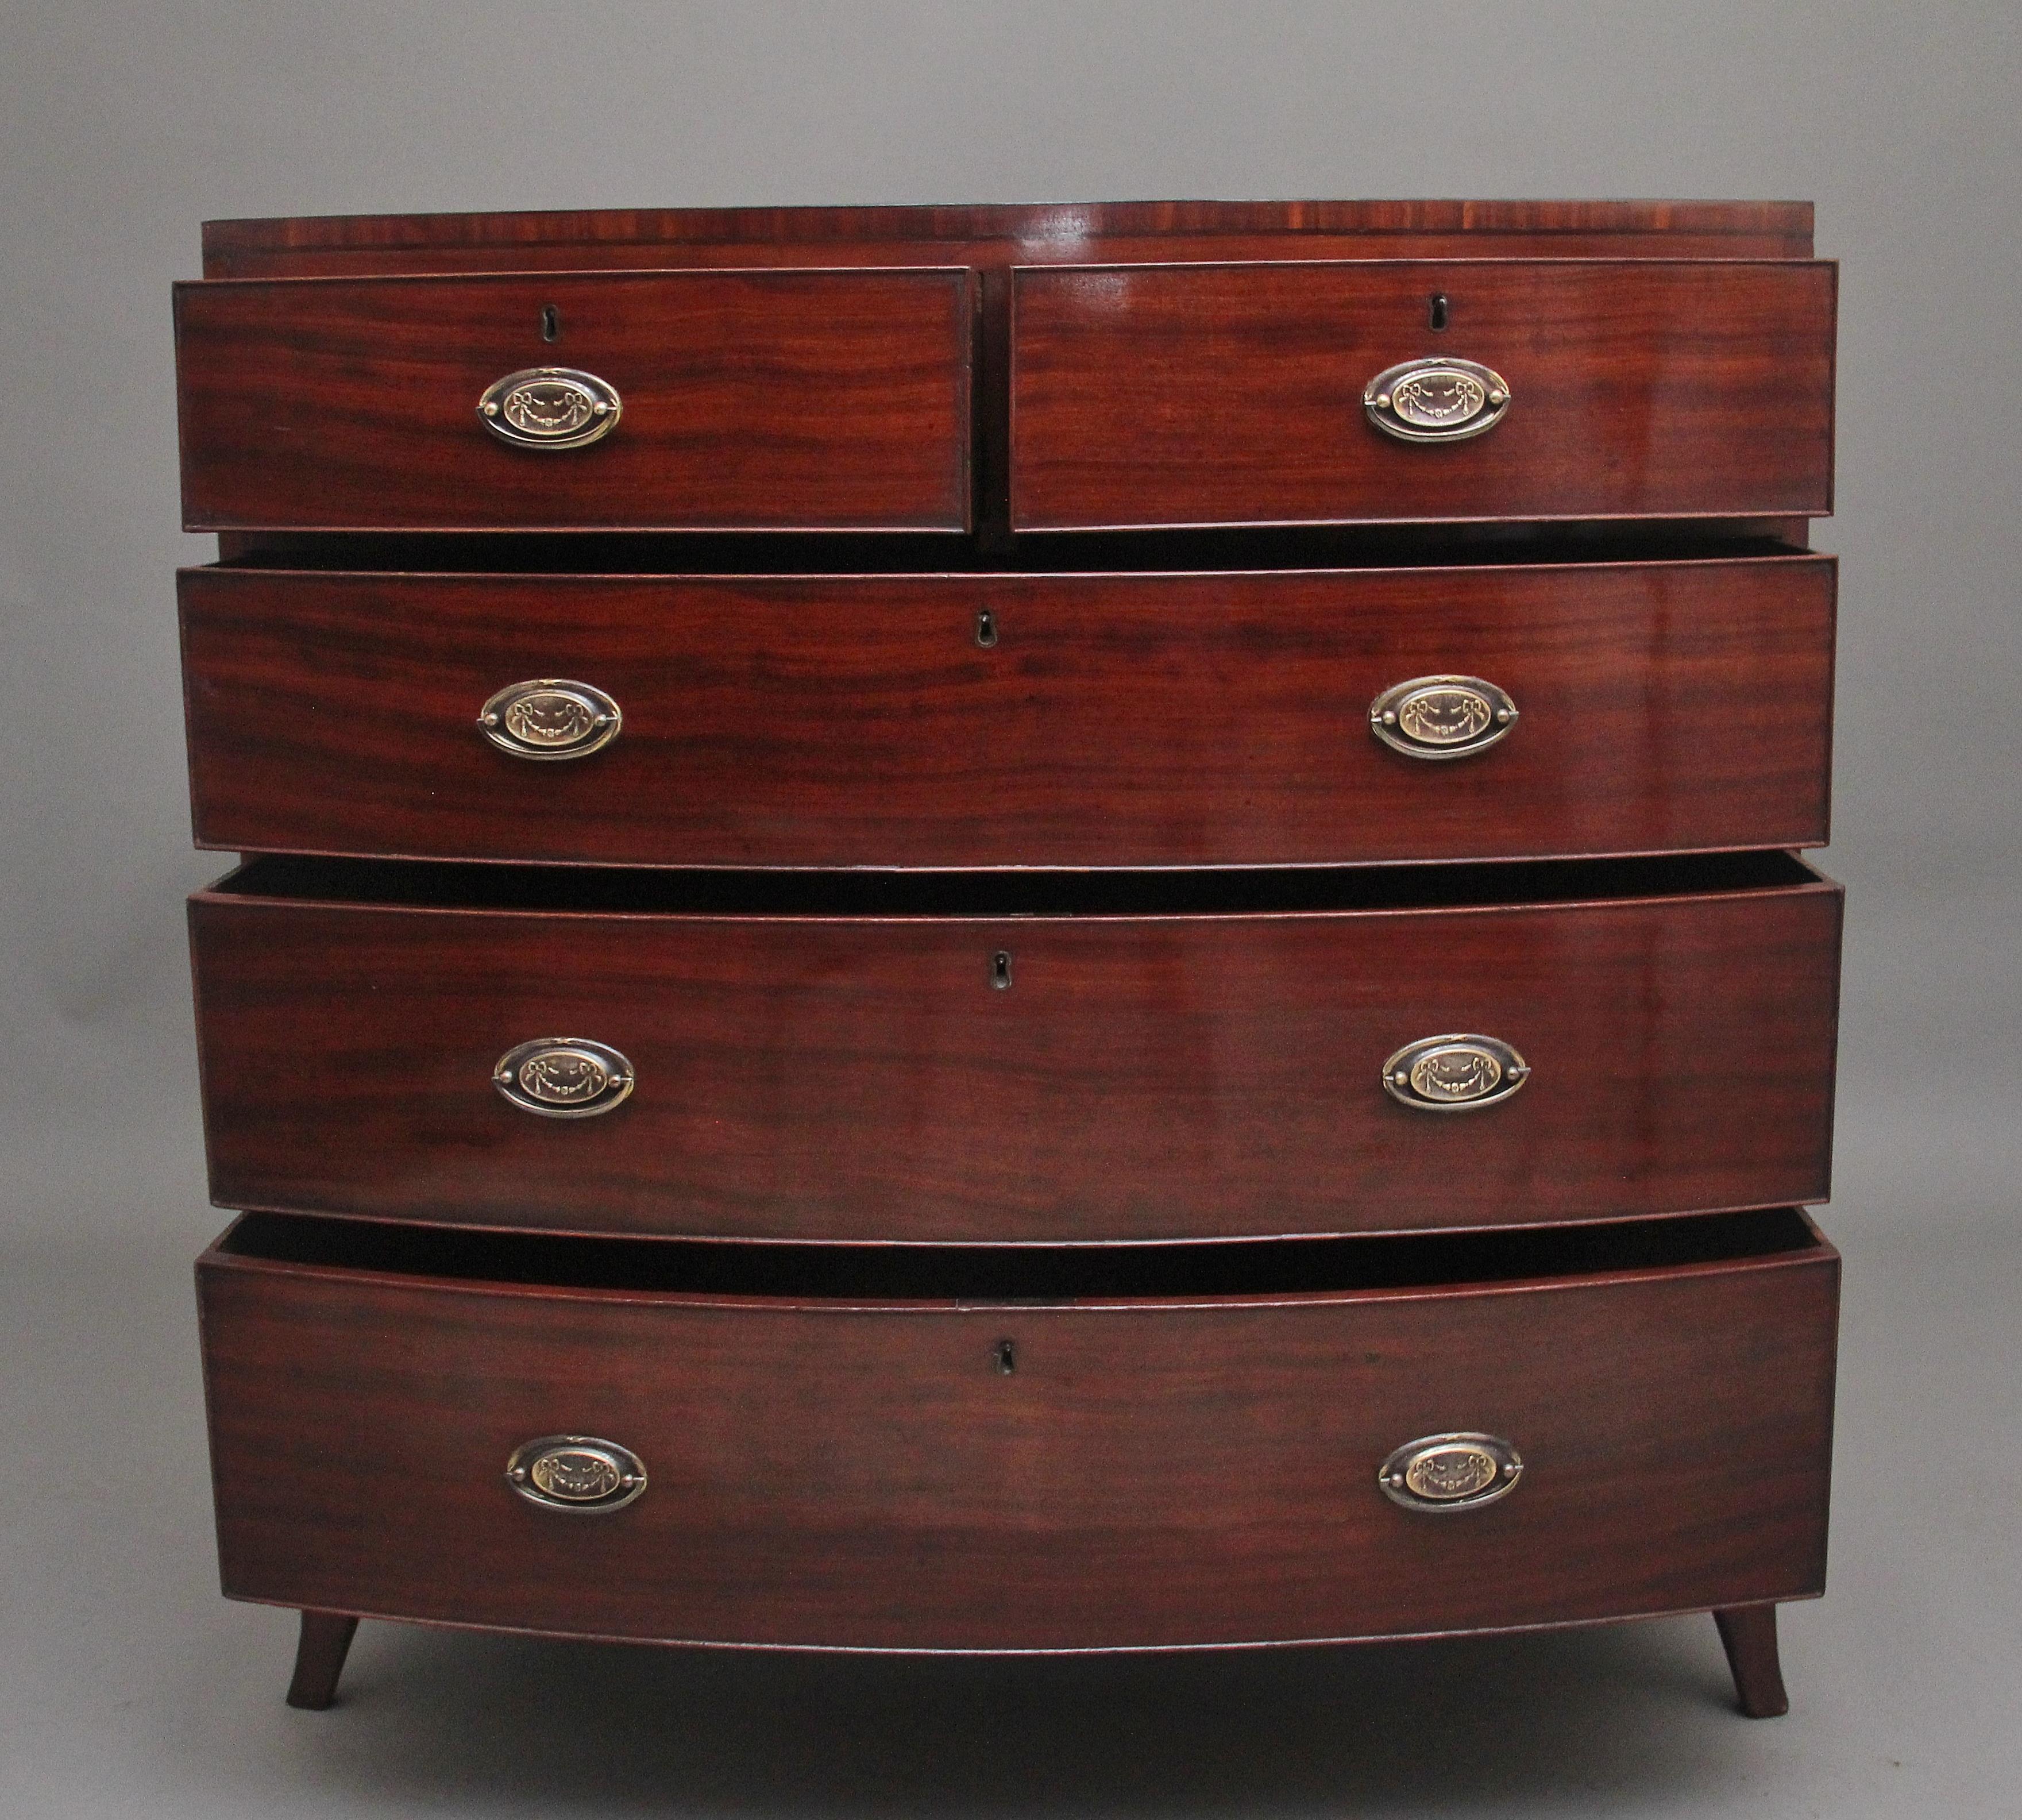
(126, 1683)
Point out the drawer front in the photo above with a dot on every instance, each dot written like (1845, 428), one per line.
(1071, 721)
(751, 400)
(1169, 395)
(1112, 1078)
(1146, 1475)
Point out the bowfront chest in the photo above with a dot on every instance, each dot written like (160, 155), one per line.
(1016, 929)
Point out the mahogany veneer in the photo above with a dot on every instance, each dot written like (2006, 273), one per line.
(840, 1470)
(992, 913)
(1139, 720)
(1147, 1075)
(989, 240)
(1145, 395)
(994, 235)
(789, 401)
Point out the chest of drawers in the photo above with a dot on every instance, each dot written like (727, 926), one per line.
(1016, 929)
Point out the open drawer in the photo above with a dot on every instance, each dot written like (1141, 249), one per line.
(1051, 1057)
(1048, 1451)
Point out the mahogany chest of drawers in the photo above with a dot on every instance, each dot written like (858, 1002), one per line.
(1016, 929)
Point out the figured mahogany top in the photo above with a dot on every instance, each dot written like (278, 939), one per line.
(996, 235)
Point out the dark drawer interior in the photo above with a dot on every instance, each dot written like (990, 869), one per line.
(1244, 891)
(963, 1274)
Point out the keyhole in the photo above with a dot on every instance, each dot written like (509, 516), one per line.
(551, 323)
(986, 628)
(1000, 970)
(1003, 1355)
(1438, 315)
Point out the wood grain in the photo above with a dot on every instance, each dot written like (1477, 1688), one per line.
(1151, 720)
(1149, 1475)
(1147, 1075)
(981, 1408)
(756, 400)
(992, 236)
(1193, 394)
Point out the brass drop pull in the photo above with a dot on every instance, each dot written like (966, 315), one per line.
(1442, 716)
(550, 717)
(1436, 400)
(564, 1077)
(1454, 1074)
(552, 407)
(1439, 1473)
(576, 1473)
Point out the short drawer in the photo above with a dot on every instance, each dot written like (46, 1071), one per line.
(1359, 1439)
(1044, 1058)
(1246, 394)
(998, 721)
(664, 400)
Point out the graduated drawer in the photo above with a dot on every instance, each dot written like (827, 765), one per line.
(996, 721)
(1050, 1059)
(1234, 394)
(747, 400)
(853, 1454)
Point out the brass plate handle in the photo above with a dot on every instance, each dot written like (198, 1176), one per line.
(1438, 1473)
(1442, 716)
(564, 1077)
(1454, 1074)
(549, 407)
(1436, 400)
(550, 717)
(576, 1473)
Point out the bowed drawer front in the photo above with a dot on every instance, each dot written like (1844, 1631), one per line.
(999, 720)
(1254, 394)
(997, 1077)
(1287, 725)
(1102, 1475)
(665, 401)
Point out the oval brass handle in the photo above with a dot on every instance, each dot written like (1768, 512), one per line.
(549, 407)
(564, 1077)
(576, 1473)
(1450, 1472)
(1454, 1074)
(1436, 400)
(1442, 716)
(550, 717)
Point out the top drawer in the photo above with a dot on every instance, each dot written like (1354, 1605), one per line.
(1235, 394)
(815, 400)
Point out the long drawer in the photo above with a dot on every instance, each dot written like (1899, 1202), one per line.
(998, 720)
(1189, 1057)
(1363, 1438)
(683, 401)
(1387, 390)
